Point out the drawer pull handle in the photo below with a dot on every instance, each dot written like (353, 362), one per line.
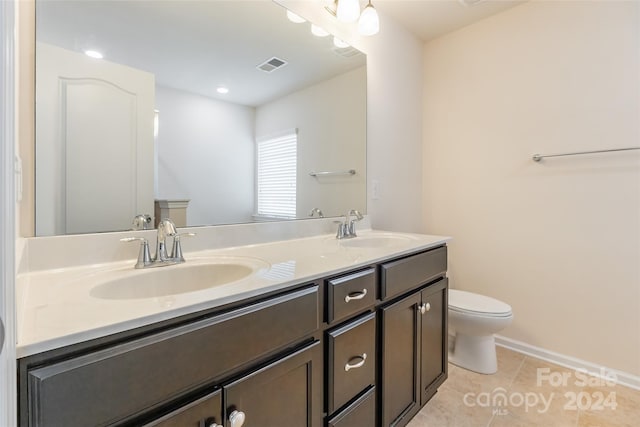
(359, 364)
(425, 307)
(355, 295)
(236, 419)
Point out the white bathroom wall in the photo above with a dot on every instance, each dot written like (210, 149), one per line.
(340, 146)
(559, 240)
(206, 154)
(394, 116)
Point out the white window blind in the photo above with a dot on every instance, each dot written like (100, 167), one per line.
(276, 175)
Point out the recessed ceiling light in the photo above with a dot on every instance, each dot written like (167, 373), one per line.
(318, 31)
(295, 18)
(222, 89)
(94, 54)
(339, 43)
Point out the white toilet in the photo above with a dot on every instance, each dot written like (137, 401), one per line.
(474, 319)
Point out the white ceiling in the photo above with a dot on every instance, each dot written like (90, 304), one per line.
(196, 46)
(428, 19)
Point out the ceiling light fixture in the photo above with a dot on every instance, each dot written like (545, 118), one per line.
(295, 18)
(339, 43)
(369, 22)
(348, 11)
(94, 54)
(222, 90)
(318, 31)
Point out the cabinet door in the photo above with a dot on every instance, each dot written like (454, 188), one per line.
(287, 392)
(139, 374)
(204, 412)
(400, 369)
(433, 354)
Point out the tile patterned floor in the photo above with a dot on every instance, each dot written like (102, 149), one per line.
(528, 392)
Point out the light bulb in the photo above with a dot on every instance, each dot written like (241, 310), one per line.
(295, 18)
(93, 54)
(348, 10)
(369, 23)
(222, 90)
(339, 43)
(318, 31)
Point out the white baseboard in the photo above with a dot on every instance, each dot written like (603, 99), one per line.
(622, 378)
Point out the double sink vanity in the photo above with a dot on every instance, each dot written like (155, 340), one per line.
(313, 331)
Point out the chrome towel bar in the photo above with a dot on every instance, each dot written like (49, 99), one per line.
(538, 157)
(329, 173)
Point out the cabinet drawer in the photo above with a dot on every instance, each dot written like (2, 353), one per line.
(405, 274)
(361, 413)
(146, 372)
(350, 294)
(202, 412)
(351, 360)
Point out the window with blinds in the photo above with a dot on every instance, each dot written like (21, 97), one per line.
(276, 175)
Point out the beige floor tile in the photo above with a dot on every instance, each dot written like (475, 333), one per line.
(535, 374)
(511, 420)
(468, 399)
(606, 406)
(465, 381)
(539, 394)
(509, 363)
(448, 408)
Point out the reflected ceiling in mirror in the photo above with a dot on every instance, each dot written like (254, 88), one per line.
(99, 158)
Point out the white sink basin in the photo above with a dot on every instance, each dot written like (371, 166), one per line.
(380, 241)
(172, 280)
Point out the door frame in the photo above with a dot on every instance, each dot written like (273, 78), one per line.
(8, 380)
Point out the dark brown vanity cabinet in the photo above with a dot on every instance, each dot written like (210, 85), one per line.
(285, 392)
(366, 348)
(126, 382)
(413, 338)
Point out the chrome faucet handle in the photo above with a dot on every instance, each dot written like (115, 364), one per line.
(144, 256)
(176, 251)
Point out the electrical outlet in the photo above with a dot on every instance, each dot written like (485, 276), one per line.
(375, 189)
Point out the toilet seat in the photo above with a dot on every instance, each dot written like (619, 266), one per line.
(479, 305)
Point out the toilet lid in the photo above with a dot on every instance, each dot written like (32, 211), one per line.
(475, 303)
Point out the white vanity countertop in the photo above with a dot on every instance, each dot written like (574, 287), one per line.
(55, 308)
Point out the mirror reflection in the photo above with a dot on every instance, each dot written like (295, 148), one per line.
(212, 112)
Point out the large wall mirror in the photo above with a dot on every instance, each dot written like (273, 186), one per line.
(129, 115)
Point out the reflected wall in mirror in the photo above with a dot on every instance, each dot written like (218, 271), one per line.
(146, 123)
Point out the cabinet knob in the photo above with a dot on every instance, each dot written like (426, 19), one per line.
(236, 419)
(424, 307)
(355, 295)
(359, 364)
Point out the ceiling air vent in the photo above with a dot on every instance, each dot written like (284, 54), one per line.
(272, 64)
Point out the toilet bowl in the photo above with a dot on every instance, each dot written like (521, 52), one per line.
(474, 319)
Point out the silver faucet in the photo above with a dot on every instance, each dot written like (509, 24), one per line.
(141, 222)
(316, 211)
(166, 228)
(347, 228)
